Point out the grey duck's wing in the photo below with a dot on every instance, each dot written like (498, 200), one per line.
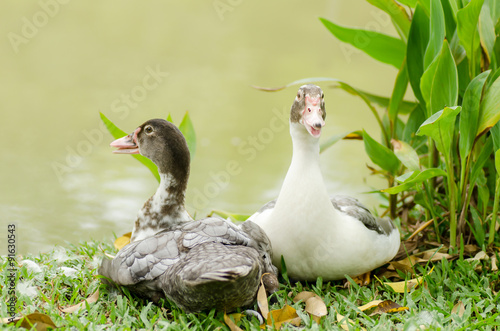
(263, 212)
(143, 260)
(212, 229)
(214, 275)
(354, 208)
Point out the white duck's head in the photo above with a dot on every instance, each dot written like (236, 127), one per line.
(308, 109)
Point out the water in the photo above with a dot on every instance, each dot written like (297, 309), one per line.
(63, 63)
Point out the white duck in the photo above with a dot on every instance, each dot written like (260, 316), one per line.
(319, 235)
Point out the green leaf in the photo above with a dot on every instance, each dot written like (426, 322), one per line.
(495, 135)
(497, 161)
(169, 118)
(439, 84)
(398, 15)
(470, 113)
(487, 35)
(417, 117)
(410, 3)
(331, 141)
(406, 154)
(438, 32)
(468, 33)
(118, 133)
(421, 177)
(489, 113)
(477, 229)
(484, 155)
(398, 93)
(233, 216)
(187, 129)
(440, 127)
(380, 155)
(405, 107)
(407, 176)
(417, 42)
(381, 47)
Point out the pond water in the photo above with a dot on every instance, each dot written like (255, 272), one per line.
(63, 62)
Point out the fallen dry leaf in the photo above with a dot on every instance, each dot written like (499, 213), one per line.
(122, 241)
(42, 321)
(347, 323)
(420, 228)
(494, 266)
(316, 308)
(479, 256)
(459, 309)
(230, 323)
(407, 264)
(388, 306)
(91, 299)
(262, 300)
(304, 295)
(399, 287)
(287, 314)
(371, 304)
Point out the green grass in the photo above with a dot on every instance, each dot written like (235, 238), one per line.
(45, 285)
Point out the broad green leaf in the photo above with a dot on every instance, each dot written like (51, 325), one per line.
(331, 141)
(470, 113)
(449, 18)
(381, 47)
(380, 155)
(497, 161)
(489, 113)
(426, 6)
(398, 93)
(417, 117)
(187, 129)
(421, 177)
(410, 3)
(406, 154)
(417, 43)
(398, 15)
(440, 127)
(169, 118)
(484, 155)
(468, 33)
(407, 176)
(438, 28)
(439, 83)
(118, 133)
(495, 135)
(487, 35)
(405, 107)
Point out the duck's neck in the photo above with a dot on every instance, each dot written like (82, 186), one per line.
(164, 210)
(303, 179)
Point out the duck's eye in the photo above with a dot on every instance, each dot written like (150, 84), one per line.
(298, 95)
(148, 129)
(309, 109)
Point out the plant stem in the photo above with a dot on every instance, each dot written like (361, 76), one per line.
(495, 212)
(452, 201)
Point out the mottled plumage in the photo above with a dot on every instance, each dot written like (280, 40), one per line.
(199, 265)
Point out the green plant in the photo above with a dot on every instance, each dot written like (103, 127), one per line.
(442, 148)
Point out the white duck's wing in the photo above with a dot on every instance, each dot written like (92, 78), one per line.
(263, 212)
(352, 207)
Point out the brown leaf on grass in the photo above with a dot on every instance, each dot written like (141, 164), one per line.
(407, 264)
(287, 314)
(262, 300)
(459, 309)
(122, 241)
(91, 299)
(406, 286)
(479, 256)
(316, 308)
(369, 305)
(494, 266)
(304, 295)
(232, 324)
(388, 306)
(347, 323)
(41, 321)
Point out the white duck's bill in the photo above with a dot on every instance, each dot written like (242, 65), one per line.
(127, 144)
(312, 120)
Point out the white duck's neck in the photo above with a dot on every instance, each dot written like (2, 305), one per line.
(164, 210)
(303, 179)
